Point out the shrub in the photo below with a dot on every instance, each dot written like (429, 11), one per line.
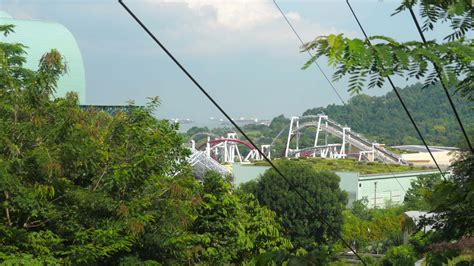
(400, 255)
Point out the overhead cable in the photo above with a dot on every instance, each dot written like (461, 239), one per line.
(326, 77)
(438, 71)
(309, 53)
(209, 97)
(398, 96)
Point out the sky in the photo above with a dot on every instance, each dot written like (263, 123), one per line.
(241, 51)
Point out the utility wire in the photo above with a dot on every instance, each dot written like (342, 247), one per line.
(325, 76)
(309, 53)
(442, 82)
(209, 97)
(398, 96)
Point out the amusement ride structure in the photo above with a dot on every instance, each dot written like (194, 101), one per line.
(226, 149)
(367, 150)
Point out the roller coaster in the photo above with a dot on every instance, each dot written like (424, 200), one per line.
(225, 149)
(367, 150)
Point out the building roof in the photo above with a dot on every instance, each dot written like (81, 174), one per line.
(398, 174)
(421, 148)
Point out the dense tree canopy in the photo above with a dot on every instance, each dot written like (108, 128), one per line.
(419, 195)
(453, 201)
(85, 187)
(301, 223)
(381, 118)
(232, 227)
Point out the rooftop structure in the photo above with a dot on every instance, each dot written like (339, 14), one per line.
(443, 158)
(202, 163)
(421, 148)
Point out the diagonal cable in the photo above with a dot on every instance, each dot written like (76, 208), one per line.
(398, 96)
(326, 77)
(309, 53)
(209, 97)
(438, 71)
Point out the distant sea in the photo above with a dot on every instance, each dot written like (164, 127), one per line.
(183, 127)
(216, 123)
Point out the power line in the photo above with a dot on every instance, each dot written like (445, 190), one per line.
(325, 76)
(310, 54)
(398, 96)
(442, 82)
(209, 97)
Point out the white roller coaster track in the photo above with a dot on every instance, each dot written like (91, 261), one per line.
(323, 123)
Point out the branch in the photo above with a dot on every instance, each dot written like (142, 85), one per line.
(7, 211)
(100, 178)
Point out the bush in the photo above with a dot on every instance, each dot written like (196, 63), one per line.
(401, 255)
(301, 223)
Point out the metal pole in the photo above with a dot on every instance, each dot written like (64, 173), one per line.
(375, 194)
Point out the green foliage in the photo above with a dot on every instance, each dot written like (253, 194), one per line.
(232, 227)
(77, 186)
(419, 195)
(359, 209)
(399, 256)
(452, 253)
(368, 62)
(369, 65)
(84, 187)
(349, 165)
(373, 230)
(420, 242)
(453, 201)
(380, 117)
(458, 12)
(322, 255)
(301, 223)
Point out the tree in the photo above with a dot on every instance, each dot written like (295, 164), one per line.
(79, 186)
(386, 57)
(420, 193)
(399, 256)
(453, 201)
(301, 223)
(231, 227)
(379, 119)
(359, 209)
(370, 61)
(85, 187)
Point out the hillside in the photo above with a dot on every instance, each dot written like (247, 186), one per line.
(383, 119)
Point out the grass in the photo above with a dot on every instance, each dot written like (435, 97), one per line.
(351, 165)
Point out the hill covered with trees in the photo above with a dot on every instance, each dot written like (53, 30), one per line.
(383, 119)
(380, 118)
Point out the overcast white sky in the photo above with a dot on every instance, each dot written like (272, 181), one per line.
(242, 51)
